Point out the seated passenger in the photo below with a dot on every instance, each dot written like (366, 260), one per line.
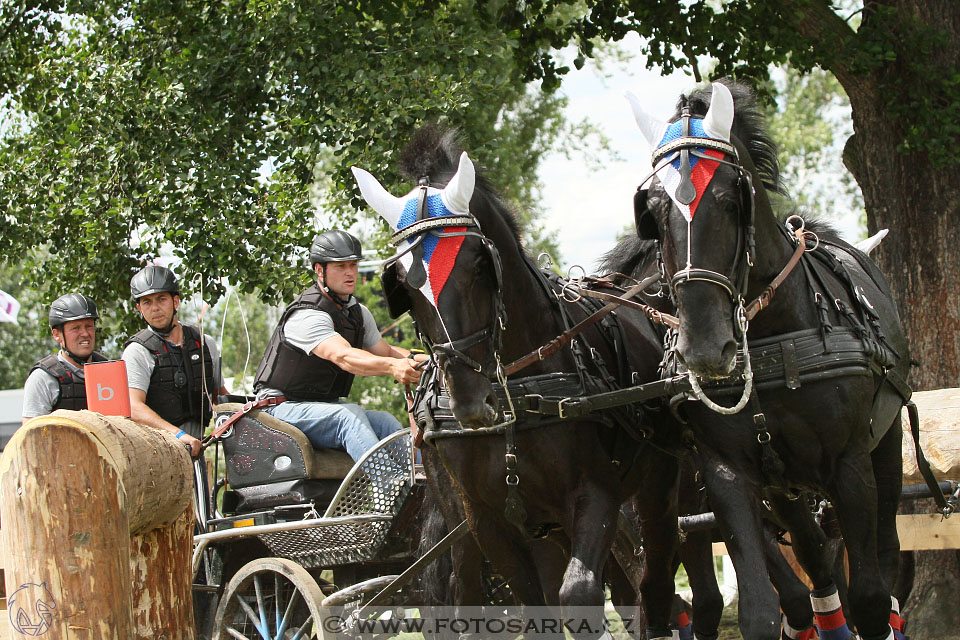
(173, 373)
(56, 381)
(325, 337)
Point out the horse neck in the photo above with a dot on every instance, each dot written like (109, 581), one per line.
(532, 317)
(791, 308)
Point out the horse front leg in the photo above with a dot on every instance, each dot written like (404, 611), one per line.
(591, 521)
(853, 492)
(736, 507)
(657, 512)
(696, 554)
(805, 536)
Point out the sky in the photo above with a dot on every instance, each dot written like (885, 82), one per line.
(587, 209)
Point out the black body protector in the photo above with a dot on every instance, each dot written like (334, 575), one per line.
(307, 377)
(178, 391)
(73, 391)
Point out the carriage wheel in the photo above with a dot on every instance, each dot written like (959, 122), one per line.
(269, 599)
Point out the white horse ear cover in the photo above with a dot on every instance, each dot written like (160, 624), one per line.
(457, 193)
(389, 207)
(652, 128)
(719, 118)
(438, 254)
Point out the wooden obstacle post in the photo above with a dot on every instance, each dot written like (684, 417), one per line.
(97, 529)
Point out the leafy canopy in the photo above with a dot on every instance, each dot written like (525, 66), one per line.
(217, 130)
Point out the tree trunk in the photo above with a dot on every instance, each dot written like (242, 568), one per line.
(920, 203)
(97, 529)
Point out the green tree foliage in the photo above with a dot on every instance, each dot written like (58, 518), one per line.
(890, 48)
(206, 127)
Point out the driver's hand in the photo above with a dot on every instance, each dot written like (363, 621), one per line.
(193, 444)
(405, 370)
(419, 359)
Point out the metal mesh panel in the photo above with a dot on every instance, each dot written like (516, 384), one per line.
(378, 484)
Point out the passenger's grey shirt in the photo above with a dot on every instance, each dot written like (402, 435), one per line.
(305, 329)
(140, 364)
(41, 390)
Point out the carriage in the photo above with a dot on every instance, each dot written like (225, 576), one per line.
(294, 535)
(289, 529)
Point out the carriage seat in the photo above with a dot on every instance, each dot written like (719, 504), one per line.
(264, 450)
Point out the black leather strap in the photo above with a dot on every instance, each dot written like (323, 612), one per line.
(922, 463)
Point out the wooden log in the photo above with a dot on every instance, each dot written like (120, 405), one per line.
(939, 435)
(97, 529)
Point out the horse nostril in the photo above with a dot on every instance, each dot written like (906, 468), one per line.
(728, 356)
(491, 403)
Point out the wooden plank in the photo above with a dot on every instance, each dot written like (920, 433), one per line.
(928, 531)
(918, 532)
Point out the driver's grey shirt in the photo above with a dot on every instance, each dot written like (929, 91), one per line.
(41, 390)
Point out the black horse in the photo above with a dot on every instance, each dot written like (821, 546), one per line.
(527, 475)
(819, 345)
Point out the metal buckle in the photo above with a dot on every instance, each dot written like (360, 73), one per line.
(560, 413)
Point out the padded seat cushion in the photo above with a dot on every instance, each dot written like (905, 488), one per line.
(321, 464)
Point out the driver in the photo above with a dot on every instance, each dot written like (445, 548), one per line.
(326, 337)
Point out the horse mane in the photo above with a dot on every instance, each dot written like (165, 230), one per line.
(434, 152)
(631, 256)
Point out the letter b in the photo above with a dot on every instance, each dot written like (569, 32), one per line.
(104, 393)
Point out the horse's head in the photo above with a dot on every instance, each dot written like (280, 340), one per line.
(448, 274)
(699, 205)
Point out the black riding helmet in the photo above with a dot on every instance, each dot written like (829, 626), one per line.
(334, 246)
(72, 306)
(153, 279)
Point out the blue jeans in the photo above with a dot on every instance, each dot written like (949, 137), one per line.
(337, 425)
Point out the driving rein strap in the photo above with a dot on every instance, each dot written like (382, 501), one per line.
(564, 338)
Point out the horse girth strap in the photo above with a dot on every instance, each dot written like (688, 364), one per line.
(564, 338)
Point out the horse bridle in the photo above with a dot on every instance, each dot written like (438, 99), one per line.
(453, 349)
(736, 285)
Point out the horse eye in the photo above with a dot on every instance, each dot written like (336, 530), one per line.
(480, 263)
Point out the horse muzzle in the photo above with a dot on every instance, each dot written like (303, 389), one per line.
(708, 357)
(472, 398)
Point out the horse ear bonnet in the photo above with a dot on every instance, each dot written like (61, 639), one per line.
(642, 218)
(398, 300)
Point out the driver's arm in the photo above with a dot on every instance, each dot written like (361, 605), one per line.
(380, 360)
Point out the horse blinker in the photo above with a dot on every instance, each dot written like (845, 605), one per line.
(643, 219)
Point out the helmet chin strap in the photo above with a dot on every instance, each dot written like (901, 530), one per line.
(78, 359)
(166, 331)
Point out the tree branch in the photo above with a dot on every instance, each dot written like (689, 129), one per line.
(826, 30)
